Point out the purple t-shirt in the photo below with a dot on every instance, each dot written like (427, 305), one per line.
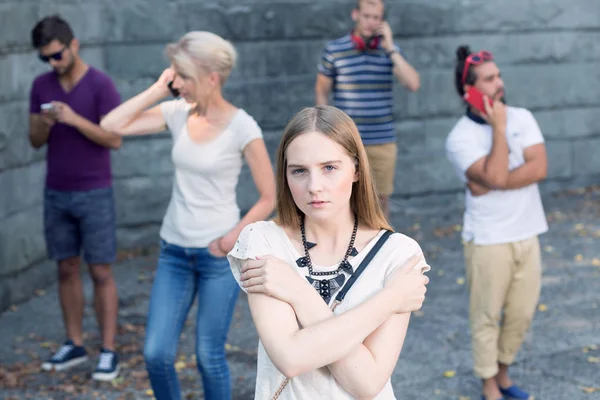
(74, 161)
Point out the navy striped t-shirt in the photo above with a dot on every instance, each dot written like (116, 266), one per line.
(362, 87)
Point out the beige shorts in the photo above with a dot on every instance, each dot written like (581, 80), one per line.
(382, 159)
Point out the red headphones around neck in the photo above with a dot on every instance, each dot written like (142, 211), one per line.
(360, 44)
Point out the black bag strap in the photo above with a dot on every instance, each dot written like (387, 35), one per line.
(380, 242)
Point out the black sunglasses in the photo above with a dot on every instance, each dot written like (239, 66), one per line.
(56, 56)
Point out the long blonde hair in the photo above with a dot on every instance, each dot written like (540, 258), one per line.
(339, 127)
(201, 51)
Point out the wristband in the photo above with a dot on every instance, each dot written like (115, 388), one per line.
(389, 53)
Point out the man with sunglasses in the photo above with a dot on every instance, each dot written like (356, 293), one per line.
(360, 68)
(498, 152)
(66, 107)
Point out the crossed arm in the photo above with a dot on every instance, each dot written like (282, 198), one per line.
(533, 170)
(360, 347)
(300, 333)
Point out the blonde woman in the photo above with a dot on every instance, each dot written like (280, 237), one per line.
(210, 138)
(328, 235)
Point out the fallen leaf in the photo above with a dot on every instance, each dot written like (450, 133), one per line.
(578, 226)
(418, 313)
(457, 227)
(179, 365)
(229, 347)
(585, 350)
(149, 392)
(593, 360)
(68, 388)
(578, 257)
(437, 391)
(593, 347)
(450, 373)
(117, 381)
(13, 308)
(460, 281)
(589, 389)
(129, 328)
(139, 374)
(542, 307)
(46, 345)
(596, 262)
(10, 380)
(40, 292)
(548, 249)
(130, 348)
(440, 272)
(464, 398)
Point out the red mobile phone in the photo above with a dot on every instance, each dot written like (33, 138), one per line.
(475, 98)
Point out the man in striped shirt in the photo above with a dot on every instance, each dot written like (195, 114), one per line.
(360, 68)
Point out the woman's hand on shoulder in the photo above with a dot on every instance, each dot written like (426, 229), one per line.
(274, 277)
(407, 286)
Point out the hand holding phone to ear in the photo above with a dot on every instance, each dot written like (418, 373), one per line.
(163, 81)
(495, 113)
(492, 111)
(387, 37)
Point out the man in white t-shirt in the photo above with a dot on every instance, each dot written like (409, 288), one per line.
(500, 156)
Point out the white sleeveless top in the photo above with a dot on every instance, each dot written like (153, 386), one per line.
(262, 238)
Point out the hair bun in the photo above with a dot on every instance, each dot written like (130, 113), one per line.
(462, 53)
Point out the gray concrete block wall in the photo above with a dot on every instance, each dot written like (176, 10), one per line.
(548, 52)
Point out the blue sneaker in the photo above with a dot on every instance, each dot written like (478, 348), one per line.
(108, 366)
(515, 393)
(68, 356)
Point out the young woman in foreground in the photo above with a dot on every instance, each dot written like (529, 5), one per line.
(328, 220)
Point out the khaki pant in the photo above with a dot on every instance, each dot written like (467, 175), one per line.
(502, 277)
(382, 159)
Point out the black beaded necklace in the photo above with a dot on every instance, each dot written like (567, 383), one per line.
(326, 287)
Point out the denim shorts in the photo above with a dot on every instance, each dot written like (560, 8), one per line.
(80, 220)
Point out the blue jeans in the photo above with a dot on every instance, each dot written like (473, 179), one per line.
(182, 273)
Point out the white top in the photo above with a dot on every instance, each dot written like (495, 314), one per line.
(500, 216)
(261, 238)
(203, 204)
